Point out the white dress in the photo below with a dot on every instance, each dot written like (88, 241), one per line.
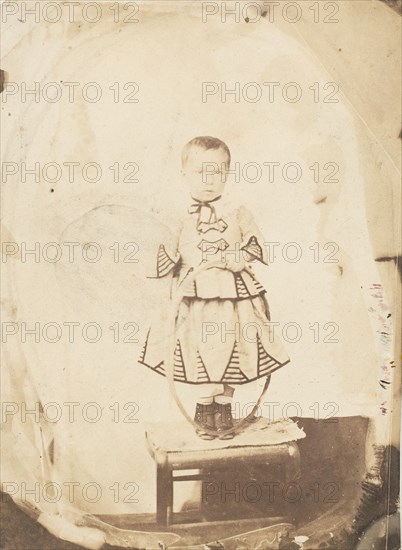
(222, 332)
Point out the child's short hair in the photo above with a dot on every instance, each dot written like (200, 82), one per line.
(205, 142)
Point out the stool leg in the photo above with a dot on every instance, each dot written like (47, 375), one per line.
(293, 464)
(169, 487)
(164, 495)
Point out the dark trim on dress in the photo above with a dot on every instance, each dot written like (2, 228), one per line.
(280, 365)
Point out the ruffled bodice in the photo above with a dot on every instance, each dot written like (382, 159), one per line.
(222, 331)
(208, 234)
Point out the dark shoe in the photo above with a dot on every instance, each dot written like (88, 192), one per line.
(224, 420)
(205, 419)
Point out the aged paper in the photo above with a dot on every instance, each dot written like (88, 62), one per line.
(201, 274)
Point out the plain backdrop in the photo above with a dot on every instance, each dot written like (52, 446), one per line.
(169, 54)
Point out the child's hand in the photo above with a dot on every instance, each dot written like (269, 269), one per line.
(235, 265)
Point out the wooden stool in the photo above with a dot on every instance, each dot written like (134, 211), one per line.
(176, 447)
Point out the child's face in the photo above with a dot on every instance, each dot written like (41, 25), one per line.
(205, 171)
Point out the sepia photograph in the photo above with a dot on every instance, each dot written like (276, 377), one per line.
(200, 274)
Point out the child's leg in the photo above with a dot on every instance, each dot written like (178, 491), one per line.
(205, 409)
(214, 411)
(208, 392)
(226, 396)
(223, 413)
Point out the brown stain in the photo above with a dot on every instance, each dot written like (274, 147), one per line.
(10, 308)
(8, 237)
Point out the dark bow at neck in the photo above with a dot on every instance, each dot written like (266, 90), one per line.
(207, 215)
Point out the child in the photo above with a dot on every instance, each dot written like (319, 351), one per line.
(223, 335)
